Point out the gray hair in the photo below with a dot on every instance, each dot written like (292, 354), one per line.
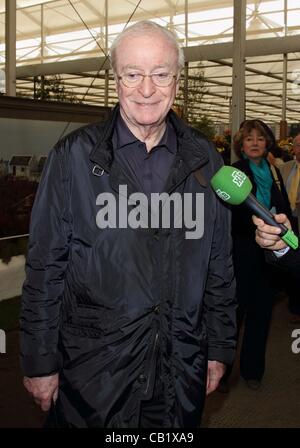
(141, 28)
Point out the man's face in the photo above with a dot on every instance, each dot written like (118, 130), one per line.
(146, 104)
(296, 147)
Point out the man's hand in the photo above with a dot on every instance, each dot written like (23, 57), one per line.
(267, 236)
(43, 389)
(215, 371)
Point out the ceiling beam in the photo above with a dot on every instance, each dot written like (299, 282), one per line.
(32, 19)
(94, 10)
(255, 47)
(255, 71)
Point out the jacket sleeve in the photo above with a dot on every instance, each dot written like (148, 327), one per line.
(287, 206)
(289, 262)
(219, 298)
(46, 262)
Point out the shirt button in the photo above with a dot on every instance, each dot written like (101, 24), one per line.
(142, 378)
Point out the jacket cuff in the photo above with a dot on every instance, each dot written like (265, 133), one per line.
(226, 356)
(40, 366)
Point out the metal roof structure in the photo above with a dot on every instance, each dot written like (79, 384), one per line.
(71, 38)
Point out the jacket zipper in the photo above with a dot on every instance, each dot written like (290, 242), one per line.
(152, 357)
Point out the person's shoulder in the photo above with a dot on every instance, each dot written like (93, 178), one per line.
(88, 134)
(286, 166)
(197, 134)
(79, 143)
(241, 164)
(204, 145)
(203, 142)
(195, 144)
(278, 162)
(189, 132)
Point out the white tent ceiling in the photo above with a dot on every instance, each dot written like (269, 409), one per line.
(64, 30)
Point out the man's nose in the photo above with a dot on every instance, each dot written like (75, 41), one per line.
(147, 87)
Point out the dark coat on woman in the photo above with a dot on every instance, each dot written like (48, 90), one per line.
(255, 282)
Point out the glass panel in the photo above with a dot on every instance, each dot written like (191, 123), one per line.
(24, 148)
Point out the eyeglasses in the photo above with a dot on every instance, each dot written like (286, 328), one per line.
(136, 79)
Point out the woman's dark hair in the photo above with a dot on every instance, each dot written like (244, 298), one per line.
(246, 128)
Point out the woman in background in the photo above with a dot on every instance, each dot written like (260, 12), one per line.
(255, 290)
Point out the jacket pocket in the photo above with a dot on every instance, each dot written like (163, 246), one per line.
(92, 321)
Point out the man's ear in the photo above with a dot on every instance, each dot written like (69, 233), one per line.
(116, 81)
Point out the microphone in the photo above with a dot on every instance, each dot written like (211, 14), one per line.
(234, 187)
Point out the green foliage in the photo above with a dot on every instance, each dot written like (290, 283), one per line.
(52, 88)
(205, 125)
(195, 92)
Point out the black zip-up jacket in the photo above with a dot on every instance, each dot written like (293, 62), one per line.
(87, 308)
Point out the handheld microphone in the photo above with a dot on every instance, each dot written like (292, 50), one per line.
(234, 187)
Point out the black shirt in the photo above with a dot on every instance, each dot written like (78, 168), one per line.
(149, 169)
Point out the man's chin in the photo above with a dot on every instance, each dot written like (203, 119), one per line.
(148, 120)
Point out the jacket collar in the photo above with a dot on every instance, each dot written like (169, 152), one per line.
(190, 156)
(102, 152)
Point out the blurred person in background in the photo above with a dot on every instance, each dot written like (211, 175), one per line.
(290, 172)
(255, 288)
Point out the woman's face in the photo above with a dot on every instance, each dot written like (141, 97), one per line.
(254, 146)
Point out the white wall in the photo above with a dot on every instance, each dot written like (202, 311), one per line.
(12, 276)
(30, 137)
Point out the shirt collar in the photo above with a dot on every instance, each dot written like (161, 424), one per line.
(122, 136)
(169, 139)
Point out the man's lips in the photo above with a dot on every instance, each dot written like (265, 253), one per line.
(146, 104)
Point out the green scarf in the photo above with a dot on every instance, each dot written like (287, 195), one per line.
(264, 180)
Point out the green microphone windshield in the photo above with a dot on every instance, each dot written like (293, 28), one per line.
(231, 185)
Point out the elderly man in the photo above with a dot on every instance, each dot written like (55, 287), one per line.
(127, 322)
